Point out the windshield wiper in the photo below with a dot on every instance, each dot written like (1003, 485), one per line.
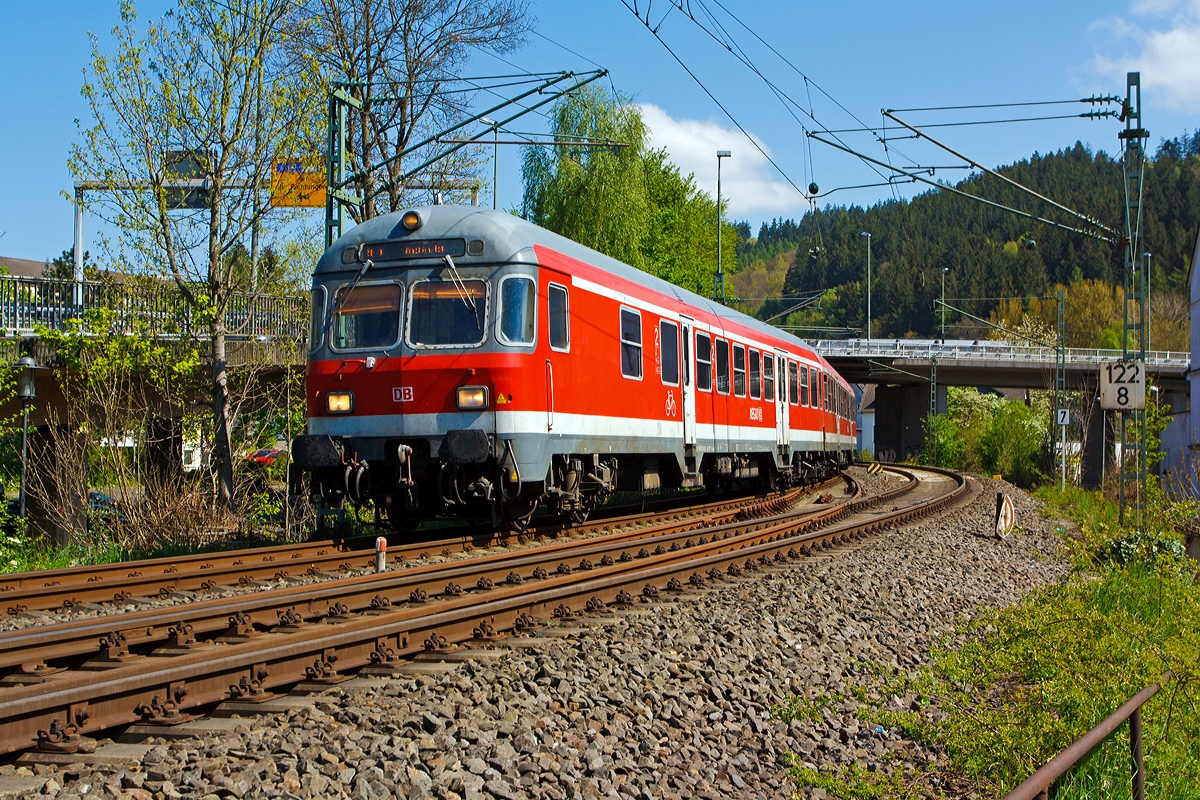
(341, 297)
(461, 286)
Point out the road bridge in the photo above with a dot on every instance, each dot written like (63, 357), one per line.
(901, 369)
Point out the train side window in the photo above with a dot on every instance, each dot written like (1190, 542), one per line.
(703, 362)
(668, 334)
(812, 382)
(793, 384)
(804, 386)
(518, 310)
(631, 343)
(755, 385)
(739, 370)
(367, 316)
(316, 333)
(722, 366)
(768, 377)
(560, 319)
(687, 357)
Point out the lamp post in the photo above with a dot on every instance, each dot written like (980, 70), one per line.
(1149, 318)
(944, 271)
(495, 158)
(26, 391)
(868, 235)
(719, 280)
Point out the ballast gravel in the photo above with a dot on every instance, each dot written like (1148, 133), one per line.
(672, 700)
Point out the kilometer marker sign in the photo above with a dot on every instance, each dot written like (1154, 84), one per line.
(1123, 385)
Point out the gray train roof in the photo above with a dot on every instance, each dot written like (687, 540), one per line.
(510, 238)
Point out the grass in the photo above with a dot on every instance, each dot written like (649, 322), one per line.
(1023, 683)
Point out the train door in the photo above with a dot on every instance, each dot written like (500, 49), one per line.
(783, 428)
(558, 335)
(688, 387)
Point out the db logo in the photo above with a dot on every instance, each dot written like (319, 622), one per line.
(402, 394)
(671, 408)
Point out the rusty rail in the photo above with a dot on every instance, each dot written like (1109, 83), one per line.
(1037, 786)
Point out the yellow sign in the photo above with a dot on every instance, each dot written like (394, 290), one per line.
(297, 183)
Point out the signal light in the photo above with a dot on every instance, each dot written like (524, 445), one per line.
(472, 398)
(411, 220)
(339, 402)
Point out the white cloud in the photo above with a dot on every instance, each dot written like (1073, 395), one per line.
(1168, 38)
(749, 183)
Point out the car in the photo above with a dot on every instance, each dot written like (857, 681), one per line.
(267, 455)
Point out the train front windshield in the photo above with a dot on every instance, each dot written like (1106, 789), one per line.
(448, 313)
(368, 316)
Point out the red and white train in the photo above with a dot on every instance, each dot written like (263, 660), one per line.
(464, 360)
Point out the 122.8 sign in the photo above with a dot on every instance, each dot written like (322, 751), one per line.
(1123, 385)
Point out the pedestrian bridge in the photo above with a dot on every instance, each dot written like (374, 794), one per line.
(984, 362)
(140, 306)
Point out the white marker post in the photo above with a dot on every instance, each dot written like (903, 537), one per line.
(1064, 418)
(380, 554)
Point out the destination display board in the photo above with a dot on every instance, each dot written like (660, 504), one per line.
(1123, 385)
(414, 248)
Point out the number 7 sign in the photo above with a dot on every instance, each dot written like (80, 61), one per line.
(1123, 385)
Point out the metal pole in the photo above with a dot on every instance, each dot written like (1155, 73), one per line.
(719, 280)
(24, 456)
(1135, 752)
(1063, 483)
(495, 164)
(1149, 316)
(944, 271)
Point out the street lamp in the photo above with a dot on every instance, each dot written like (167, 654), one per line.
(944, 271)
(1148, 317)
(495, 158)
(868, 235)
(26, 391)
(719, 280)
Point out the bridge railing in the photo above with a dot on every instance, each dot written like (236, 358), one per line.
(140, 307)
(925, 349)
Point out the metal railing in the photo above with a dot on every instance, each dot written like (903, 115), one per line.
(142, 307)
(924, 349)
(1037, 786)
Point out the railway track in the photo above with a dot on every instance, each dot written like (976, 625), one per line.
(132, 582)
(157, 666)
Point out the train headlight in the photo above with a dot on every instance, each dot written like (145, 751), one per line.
(411, 220)
(472, 397)
(339, 402)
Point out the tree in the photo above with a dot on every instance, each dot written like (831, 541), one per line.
(406, 51)
(62, 268)
(628, 202)
(206, 87)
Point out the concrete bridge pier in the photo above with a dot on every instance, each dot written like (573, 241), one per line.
(1098, 448)
(900, 413)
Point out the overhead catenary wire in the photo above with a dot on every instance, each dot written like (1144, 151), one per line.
(1093, 100)
(956, 190)
(1085, 115)
(1089, 220)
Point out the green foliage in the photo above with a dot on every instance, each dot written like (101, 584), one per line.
(981, 432)
(630, 202)
(1031, 679)
(1141, 548)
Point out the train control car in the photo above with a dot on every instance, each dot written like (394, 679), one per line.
(466, 361)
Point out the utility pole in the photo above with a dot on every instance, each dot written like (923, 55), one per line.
(1133, 422)
(1060, 383)
(495, 158)
(719, 280)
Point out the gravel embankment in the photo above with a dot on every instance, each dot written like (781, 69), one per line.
(670, 701)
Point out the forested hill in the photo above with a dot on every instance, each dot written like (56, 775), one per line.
(981, 247)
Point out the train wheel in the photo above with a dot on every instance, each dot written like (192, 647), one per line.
(518, 512)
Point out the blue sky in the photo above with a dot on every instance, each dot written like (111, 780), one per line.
(865, 55)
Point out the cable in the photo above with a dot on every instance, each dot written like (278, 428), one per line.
(712, 97)
(1092, 100)
(1087, 115)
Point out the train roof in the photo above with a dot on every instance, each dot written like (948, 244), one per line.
(510, 238)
